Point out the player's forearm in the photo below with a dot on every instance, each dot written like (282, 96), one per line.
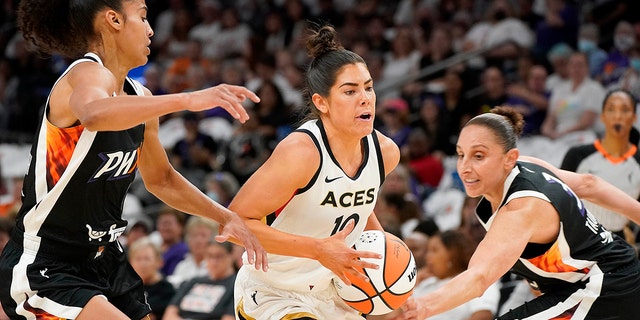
(460, 289)
(283, 243)
(177, 192)
(604, 194)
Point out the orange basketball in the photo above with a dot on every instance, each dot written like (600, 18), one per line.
(390, 285)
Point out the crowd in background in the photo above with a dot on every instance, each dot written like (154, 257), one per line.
(553, 60)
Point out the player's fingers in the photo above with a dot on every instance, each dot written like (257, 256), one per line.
(344, 279)
(222, 237)
(262, 256)
(368, 254)
(230, 101)
(366, 264)
(357, 274)
(346, 230)
(247, 94)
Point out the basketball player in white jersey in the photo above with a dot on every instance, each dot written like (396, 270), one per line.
(99, 127)
(315, 195)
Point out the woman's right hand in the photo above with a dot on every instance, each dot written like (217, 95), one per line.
(226, 96)
(342, 260)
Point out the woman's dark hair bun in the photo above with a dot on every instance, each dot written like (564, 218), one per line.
(514, 117)
(323, 40)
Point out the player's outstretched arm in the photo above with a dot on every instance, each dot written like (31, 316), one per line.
(93, 103)
(162, 180)
(595, 189)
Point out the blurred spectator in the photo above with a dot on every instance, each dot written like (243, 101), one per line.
(428, 119)
(145, 258)
(275, 35)
(624, 39)
(247, 149)
(233, 38)
(177, 73)
(470, 224)
(375, 35)
(139, 224)
(274, 113)
(448, 255)
(607, 13)
(394, 120)
(458, 108)
(425, 166)
(209, 26)
(588, 42)
(170, 229)
(27, 89)
(163, 24)
(221, 186)
(531, 99)
(558, 57)
(402, 61)
(208, 297)
(177, 43)
(153, 75)
(438, 48)
(494, 90)
(199, 232)
(506, 35)
(630, 79)
(417, 241)
(402, 211)
(296, 12)
(398, 182)
(575, 104)
(560, 25)
(266, 71)
(196, 153)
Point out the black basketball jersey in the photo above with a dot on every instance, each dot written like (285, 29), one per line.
(77, 180)
(583, 248)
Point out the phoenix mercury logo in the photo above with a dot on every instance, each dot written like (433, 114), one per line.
(117, 165)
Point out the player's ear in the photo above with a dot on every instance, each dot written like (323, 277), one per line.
(114, 19)
(320, 102)
(511, 158)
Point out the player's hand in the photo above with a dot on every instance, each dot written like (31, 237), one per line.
(342, 260)
(226, 96)
(408, 311)
(237, 229)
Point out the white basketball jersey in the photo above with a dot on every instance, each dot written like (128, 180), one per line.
(322, 208)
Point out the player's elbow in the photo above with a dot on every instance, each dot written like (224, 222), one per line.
(588, 186)
(479, 283)
(157, 182)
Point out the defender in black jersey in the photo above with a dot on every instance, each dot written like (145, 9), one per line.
(538, 228)
(98, 130)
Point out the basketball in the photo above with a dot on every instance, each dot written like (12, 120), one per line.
(390, 285)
